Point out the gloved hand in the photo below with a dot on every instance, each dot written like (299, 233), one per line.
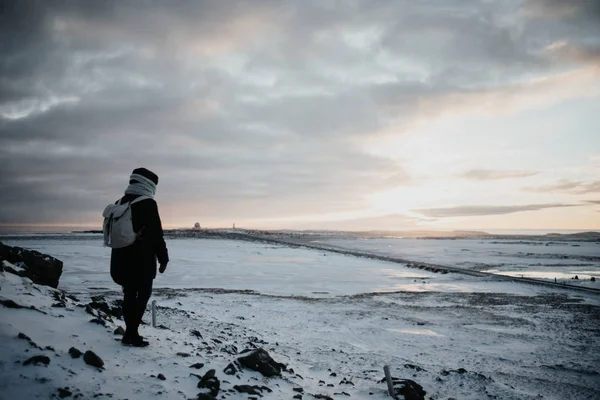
(162, 268)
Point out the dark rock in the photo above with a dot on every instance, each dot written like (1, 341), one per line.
(298, 389)
(409, 389)
(92, 359)
(23, 336)
(64, 392)
(11, 304)
(40, 268)
(255, 389)
(230, 369)
(593, 279)
(72, 297)
(415, 367)
(260, 360)
(103, 306)
(98, 321)
(229, 349)
(322, 396)
(49, 348)
(161, 377)
(182, 354)
(75, 353)
(333, 374)
(197, 365)
(204, 396)
(196, 333)
(247, 389)
(345, 381)
(211, 382)
(298, 396)
(36, 360)
(119, 331)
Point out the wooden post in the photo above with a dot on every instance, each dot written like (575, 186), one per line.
(154, 313)
(388, 379)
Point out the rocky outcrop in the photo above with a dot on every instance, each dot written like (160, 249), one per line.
(40, 268)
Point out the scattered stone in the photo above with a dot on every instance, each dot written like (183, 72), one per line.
(98, 321)
(211, 382)
(322, 396)
(182, 354)
(195, 332)
(72, 297)
(593, 279)
(415, 367)
(119, 331)
(101, 305)
(229, 349)
(298, 396)
(260, 360)
(161, 377)
(36, 360)
(197, 365)
(23, 336)
(247, 389)
(49, 348)
(92, 359)
(298, 389)
(409, 389)
(64, 392)
(345, 381)
(342, 394)
(230, 369)
(75, 353)
(333, 374)
(204, 396)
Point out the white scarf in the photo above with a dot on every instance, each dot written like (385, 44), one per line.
(142, 187)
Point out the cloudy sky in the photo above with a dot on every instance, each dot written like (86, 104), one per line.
(357, 114)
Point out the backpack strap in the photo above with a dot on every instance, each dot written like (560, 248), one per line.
(140, 199)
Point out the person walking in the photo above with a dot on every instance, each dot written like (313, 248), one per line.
(134, 266)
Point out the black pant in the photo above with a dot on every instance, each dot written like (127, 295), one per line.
(135, 299)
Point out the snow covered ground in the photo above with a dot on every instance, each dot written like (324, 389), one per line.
(533, 258)
(331, 318)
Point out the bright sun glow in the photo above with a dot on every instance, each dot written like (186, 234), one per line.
(402, 200)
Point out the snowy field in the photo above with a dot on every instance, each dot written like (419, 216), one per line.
(459, 336)
(542, 259)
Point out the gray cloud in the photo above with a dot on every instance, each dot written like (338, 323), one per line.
(472, 211)
(247, 111)
(487, 174)
(570, 186)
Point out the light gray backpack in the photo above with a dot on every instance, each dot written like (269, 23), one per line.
(118, 226)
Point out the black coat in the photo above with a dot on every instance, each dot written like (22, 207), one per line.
(136, 264)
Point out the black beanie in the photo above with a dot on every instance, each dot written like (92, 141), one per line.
(146, 173)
